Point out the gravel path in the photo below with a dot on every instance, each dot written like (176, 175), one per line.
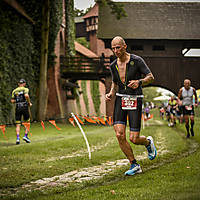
(95, 172)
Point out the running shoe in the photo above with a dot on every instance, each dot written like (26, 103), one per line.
(135, 169)
(188, 135)
(26, 139)
(18, 141)
(151, 149)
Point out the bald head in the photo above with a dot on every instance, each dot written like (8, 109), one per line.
(119, 40)
(187, 84)
(187, 81)
(118, 46)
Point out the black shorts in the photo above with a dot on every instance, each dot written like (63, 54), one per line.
(167, 113)
(134, 116)
(179, 112)
(22, 111)
(173, 111)
(187, 112)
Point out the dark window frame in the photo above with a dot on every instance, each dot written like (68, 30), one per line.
(137, 47)
(158, 47)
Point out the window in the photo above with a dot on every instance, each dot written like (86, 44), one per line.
(158, 48)
(191, 52)
(137, 48)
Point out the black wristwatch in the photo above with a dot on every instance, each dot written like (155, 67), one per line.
(140, 82)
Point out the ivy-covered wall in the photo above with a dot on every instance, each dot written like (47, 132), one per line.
(85, 96)
(18, 57)
(94, 89)
(20, 42)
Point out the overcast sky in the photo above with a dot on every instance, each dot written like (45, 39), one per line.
(83, 4)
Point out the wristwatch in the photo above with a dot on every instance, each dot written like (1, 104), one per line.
(140, 82)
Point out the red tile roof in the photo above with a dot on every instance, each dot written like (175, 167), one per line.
(84, 51)
(94, 12)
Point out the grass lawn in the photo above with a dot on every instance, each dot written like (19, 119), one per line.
(174, 174)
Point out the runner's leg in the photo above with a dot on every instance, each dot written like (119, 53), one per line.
(186, 118)
(135, 138)
(120, 131)
(192, 124)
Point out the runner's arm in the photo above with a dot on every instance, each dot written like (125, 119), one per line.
(179, 97)
(28, 99)
(149, 78)
(13, 100)
(195, 95)
(112, 92)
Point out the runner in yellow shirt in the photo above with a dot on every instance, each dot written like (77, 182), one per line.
(21, 98)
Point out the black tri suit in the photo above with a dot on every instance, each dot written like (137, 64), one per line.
(21, 104)
(135, 69)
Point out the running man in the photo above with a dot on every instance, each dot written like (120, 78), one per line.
(147, 111)
(185, 98)
(21, 98)
(127, 71)
(162, 112)
(173, 105)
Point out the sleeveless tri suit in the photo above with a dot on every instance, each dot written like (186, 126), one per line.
(187, 101)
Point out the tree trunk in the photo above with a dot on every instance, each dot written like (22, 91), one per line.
(43, 89)
(70, 28)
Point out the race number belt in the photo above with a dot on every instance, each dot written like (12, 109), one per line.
(188, 107)
(129, 102)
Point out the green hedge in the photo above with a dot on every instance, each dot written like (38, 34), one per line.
(85, 96)
(94, 89)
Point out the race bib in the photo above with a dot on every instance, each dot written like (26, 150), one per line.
(129, 103)
(188, 107)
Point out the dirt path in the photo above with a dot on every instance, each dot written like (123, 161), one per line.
(95, 172)
(81, 152)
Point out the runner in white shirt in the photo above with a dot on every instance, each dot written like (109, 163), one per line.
(185, 99)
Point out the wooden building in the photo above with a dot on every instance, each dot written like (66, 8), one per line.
(159, 32)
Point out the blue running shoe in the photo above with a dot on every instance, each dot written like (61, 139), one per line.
(18, 141)
(151, 149)
(26, 139)
(135, 169)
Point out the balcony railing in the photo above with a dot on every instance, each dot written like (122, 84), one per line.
(81, 65)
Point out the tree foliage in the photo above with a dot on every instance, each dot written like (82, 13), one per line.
(83, 41)
(78, 12)
(116, 8)
(150, 93)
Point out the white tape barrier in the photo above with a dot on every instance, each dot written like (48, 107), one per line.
(88, 147)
